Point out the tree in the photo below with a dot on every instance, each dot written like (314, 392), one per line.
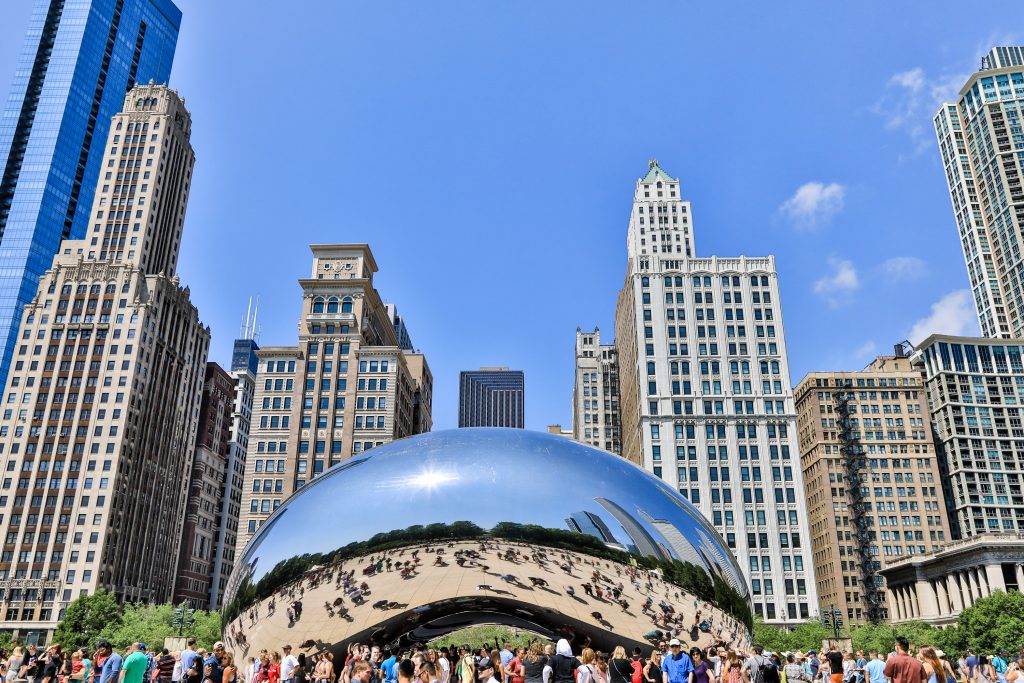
(881, 637)
(991, 624)
(85, 619)
(150, 624)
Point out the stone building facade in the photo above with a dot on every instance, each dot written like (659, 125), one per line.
(346, 387)
(705, 397)
(103, 398)
(873, 492)
(595, 396)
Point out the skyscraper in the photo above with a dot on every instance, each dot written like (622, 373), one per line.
(243, 372)
(491, 397)
(107, 380)
(595, 396)
(983, 154)
(78, 61)
(200, 533)
(872, 479)
(706, 402)
(974, 386)
(345, 388)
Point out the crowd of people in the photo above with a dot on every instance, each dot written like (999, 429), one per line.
(668, 662)
(136, 664)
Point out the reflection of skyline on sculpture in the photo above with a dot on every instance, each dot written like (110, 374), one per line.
(543, 495)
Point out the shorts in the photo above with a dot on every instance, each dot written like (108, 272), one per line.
(836, 678)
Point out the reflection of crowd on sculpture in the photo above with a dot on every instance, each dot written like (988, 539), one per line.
(666, 606)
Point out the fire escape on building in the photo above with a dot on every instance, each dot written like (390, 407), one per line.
(855, 466)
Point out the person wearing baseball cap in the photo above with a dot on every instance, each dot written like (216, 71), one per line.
(676, 666)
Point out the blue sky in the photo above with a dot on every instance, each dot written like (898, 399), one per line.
(488, 151)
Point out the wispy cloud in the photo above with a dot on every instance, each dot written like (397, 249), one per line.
(954, 313)
(814, 204)
(837, 288)
(910, 99)
(904, 268)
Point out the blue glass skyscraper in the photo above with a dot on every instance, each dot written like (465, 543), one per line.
(79, 59)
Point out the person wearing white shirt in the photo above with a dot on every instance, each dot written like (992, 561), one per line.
(288, 665)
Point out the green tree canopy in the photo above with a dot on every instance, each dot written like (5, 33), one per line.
(150, 624)
(86, 618)
(988, 626)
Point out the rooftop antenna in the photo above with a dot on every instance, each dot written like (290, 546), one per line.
(255, 331)
(248, 329)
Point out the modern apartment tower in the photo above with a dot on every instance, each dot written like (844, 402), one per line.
(491, 397)
(78, 61)
(974, 387)
(706, 402)
(206, 492)
(103, 396)
(983, 154)
(346, 387)
(872, 478)
(595, 396)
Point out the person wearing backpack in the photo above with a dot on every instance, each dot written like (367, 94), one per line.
(637, 663)
(760, 669)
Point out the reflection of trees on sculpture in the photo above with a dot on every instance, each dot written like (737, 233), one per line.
(688, 576)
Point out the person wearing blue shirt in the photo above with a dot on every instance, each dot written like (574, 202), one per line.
(999, 664)
(875, 668)
(111, 669)
(676, 666)
(388, 667)
(188, 656)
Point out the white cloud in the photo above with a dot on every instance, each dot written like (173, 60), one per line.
(901, 268)
(814, 203)
(952, 314)
(866, 351)
(910, 100)
(837, 289)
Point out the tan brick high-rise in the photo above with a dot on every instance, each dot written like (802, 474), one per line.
(102, 402)
(346, 387)
(897, 508)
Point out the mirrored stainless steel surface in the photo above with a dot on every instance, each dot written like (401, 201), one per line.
(444, 530)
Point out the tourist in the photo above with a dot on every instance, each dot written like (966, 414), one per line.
(901, 667)
(933, 669)
(229, 672)
(288, 664)
(428, 672)
(467, 665)
(602, 668)
(563, 664)
(274, 670)
(794, 671)
(875, 669)
(586, 672)
(405, 671)
(835, 664)
(110, 670)
(733, 671)
(676, 667)
(1000, 665)
(485, 672)
(506, 656)
(361, 671)
(702, 671)
(849, 668)
(652, 670)
(514, 668)
(133, 669)
(636, 661)
(533, 663)
(620, 667)
(387, 667)
(760, 669)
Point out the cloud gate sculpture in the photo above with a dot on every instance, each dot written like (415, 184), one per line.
(445, 530)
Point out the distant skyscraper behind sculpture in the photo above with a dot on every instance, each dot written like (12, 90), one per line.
(491, 397)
